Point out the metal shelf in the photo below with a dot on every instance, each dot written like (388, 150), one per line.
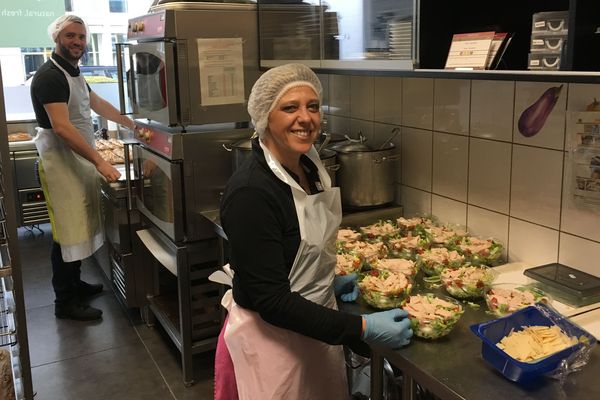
(7, 322)
(13, 324)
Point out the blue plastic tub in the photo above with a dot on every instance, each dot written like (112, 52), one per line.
(492, 332)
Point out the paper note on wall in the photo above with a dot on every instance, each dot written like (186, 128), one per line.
(221, 64)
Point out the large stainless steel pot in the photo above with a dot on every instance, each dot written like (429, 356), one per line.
(329, 160)
(242, 150)
(366, 175)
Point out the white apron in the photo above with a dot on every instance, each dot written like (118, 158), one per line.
(272, 363)
(71, 183)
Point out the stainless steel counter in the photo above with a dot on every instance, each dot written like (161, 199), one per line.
(355, 218)
(452, 367)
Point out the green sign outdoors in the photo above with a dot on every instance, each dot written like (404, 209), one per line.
(24, 23)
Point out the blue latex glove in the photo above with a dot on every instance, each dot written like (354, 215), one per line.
(388, 328)
(345, 287)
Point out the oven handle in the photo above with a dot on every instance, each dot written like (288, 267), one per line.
(120, 69)
(128, 146)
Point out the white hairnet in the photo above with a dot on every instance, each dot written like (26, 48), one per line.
(59, 23)
(273, 84)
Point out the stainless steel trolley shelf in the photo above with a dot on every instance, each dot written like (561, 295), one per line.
(7, 322)
(13, 325)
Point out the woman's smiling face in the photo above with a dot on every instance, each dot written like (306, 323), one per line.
(294, 124)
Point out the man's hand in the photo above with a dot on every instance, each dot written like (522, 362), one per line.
(108, 171)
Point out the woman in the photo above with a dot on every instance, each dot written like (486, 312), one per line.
(281, 217)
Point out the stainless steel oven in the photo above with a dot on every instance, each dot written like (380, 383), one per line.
(187, 70)
(189, 63)
(185, 173)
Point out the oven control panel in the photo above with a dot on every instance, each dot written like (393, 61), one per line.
(150, 26)
(160, 141)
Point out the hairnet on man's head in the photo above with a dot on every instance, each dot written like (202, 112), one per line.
(273, 84)
(59, 24)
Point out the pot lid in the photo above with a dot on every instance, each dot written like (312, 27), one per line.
(352, 145)
(333, 137)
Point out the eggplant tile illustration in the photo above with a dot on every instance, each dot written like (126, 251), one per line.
(534, 117)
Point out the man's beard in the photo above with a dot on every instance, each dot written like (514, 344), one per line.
(66, 53)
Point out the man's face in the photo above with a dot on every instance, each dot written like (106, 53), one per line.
(71, 42)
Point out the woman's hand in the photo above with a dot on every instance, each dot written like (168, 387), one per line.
(387, 328)
(345, 287)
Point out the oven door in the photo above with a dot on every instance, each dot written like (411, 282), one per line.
(151, 83)
(160, 198)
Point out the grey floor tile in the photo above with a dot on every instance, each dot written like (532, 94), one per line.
(35, 247)
(37, 287)
(168, 359)
(122, 373)
(37, 281)
(117, 358)
(52, 339)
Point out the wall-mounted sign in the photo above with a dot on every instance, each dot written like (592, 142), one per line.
(24, 23)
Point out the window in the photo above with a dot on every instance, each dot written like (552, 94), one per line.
(92, 56)
(33, 58)
(117, 6)
(116, 38)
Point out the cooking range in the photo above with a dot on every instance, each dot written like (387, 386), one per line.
(120, 223)
(184, 173)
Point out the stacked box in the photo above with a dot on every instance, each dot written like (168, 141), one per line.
(549, 33)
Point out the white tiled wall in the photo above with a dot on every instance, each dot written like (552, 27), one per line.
(492, 107)
(417, 158)
(450, 165)
(465, 160)
(489, 174)
(451, 102)
(536, 184)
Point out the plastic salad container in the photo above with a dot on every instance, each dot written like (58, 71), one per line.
(431, 316)
(348, 263)
(435, 260)
(345, 236)
(380, 231)
(384, 289)
(467, 282)
(478, 251)
(414, 226)
(505, 298)
(397, 265)
(492, 332)
(407, 247)
(445, 235)
(370, 252)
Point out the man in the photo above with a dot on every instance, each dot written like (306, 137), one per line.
(69, 164)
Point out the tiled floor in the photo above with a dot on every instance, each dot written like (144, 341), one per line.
(117, 358)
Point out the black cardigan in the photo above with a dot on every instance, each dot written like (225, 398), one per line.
(259, 218)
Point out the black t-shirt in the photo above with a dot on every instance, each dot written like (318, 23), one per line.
(259, 217)
(50, 85)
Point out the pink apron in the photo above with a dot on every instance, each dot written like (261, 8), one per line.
(273, 363)
(225, 386)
